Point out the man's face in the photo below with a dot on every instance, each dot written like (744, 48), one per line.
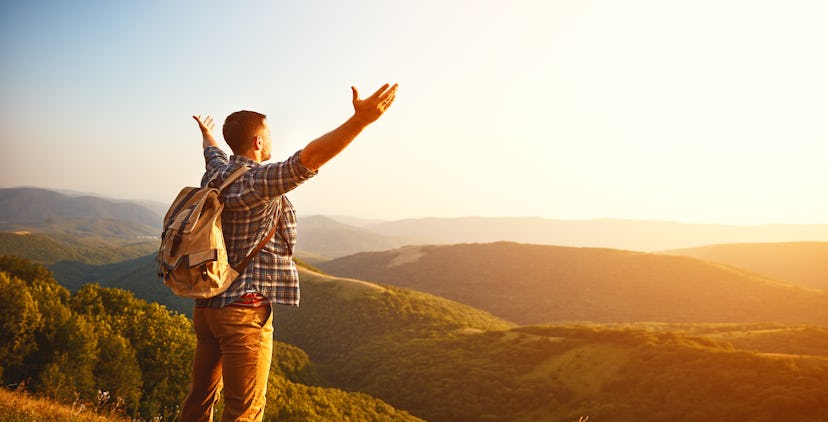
(265, 134)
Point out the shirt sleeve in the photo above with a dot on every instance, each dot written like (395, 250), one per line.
(275, 179)
(215, 159)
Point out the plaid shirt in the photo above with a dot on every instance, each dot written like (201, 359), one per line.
(252, 204)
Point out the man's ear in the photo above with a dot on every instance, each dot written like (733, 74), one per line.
(258, 144)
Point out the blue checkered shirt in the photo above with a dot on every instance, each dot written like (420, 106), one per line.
(252, 205)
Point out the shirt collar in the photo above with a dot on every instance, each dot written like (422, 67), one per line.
(242, 160)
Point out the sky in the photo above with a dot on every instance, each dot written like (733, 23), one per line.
(692, 111)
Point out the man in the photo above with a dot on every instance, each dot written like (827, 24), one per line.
(234, 330)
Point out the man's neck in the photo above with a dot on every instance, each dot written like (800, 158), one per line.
(253, 155)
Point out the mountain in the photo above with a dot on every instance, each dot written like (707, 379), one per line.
(54, 248)
(67, 346)
(445, 362)
(531, 284)
(136, 275)
(329, 238)
(608, 233)
(339, 315)
(79, 261)
(45, 211)
(803, 263)
(76, 215)
(366, 348)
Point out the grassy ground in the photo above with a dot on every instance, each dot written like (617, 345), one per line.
(22, 407)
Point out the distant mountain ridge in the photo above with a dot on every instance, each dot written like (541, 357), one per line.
(329, 238)
(531, 284)
(639, 235)
(333, 237)
(803, 263)
(45, 211)
(42, 210)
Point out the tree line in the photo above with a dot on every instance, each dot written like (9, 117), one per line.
(122, 355)
(93, 345)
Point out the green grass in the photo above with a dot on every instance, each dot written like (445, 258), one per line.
(49, 249)
(18, 406)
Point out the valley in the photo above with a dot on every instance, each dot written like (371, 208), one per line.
(486, 331)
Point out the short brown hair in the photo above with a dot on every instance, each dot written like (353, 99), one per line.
(240, 127)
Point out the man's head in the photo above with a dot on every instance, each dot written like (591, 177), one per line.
(246, 132)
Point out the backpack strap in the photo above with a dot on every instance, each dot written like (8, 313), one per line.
(241, 267)
(227, 182)
(232, 177)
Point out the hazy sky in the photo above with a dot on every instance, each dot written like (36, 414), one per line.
(694, 111)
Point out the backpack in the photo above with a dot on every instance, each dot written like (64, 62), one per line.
(192, 259)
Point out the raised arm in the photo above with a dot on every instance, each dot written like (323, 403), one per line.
(367, 111)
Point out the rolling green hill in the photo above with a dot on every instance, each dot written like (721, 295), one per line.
(39, 248)
(53, 248)
(340, 316)
(530, 284)
(445, 362)
(136, 275)
(69, 346)
(803, 263)
(772, 339)
(128, 265)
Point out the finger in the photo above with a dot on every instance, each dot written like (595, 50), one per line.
(199, 120)
(355, 94)
(389, 93)
(387, 101)
(376, 94)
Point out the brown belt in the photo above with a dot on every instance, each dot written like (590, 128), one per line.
(251, 300)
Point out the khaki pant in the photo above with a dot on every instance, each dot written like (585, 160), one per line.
(234, 343)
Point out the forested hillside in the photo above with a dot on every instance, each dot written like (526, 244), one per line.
(94, 339)
(803, 263)
(137, 275)
(385, 342)
(56, 248)
(721, 343)
(70, 347)
(339, 316)
(530, 284)
(436, 359)
(130, 266)
(50, 227)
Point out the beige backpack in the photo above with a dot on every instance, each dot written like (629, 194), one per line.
(192, 258)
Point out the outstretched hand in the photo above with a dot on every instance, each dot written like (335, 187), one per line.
(370, 109)
(206, 125)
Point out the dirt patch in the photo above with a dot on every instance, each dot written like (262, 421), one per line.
(407, 255)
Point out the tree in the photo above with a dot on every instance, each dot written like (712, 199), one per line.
(118, 373)
(19, 321)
